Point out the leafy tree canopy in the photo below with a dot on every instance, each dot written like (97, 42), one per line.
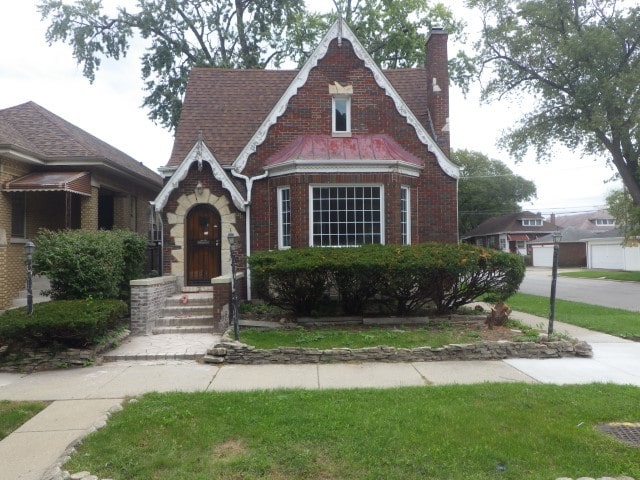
(580, 59)
(180, 34)
(627, 215)
(487, 188)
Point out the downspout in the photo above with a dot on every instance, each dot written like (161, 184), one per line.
(249, 185)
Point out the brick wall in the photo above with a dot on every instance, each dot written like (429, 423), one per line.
(434, 194)
(147, 300)
(89, 211)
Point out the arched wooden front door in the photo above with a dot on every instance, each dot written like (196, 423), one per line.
(203, 245)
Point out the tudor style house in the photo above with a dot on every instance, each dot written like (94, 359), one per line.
(338, 153)
(57, 176)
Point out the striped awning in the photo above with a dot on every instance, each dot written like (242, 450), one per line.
(74, 182)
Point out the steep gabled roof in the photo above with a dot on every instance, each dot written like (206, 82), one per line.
(34, 132)
(227, 106)
(232, 110)
(510, 223)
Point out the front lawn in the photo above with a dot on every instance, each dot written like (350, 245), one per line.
(14, 414)
(615, 321)
(436, 334)
(606, 274)
(487, 431)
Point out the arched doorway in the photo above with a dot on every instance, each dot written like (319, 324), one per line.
(203, 245)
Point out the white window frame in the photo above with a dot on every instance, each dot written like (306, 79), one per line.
(341, 133)
(603, 221)
(531, 222)
(282, 244)
(346, 185)
(405, 215)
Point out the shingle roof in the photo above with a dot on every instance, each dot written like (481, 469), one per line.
(36, 131)
(510, 223)
(228, 106)
(585, 221)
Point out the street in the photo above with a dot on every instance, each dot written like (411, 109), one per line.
(608, 293)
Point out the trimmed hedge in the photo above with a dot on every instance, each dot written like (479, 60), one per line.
(83, 264)
(404, 279)
(72, 323)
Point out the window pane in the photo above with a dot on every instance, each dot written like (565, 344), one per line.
(285, 217)
(340, 106)
(18, 214)
(344, 221)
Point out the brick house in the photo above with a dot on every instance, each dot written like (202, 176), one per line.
(337, 153)
(55, 175)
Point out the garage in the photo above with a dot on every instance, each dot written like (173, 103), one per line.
(607, 256)
(542, 255)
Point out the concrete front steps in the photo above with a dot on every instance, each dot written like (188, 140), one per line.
(190, 311)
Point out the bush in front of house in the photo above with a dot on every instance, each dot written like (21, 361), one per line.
(72, 323)
(404, 279)
(81, 264)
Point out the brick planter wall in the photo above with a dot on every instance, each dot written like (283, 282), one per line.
(231, 352)
(148, 296)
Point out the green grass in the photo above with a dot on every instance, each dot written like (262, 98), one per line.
(614, 321)
(487, 431)
(14, 414)
(433, 335)
(607, 274)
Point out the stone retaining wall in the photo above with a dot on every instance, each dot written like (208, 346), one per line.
(231, 352)
(28, 360)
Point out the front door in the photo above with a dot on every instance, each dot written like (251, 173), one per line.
(203, 245)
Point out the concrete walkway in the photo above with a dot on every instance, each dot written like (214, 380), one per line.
(83, 397)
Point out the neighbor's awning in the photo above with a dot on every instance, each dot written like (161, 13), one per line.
(517, 237)
(74, 182)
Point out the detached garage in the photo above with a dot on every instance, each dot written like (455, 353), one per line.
(572, 252)
(607, 252)
(542, 255)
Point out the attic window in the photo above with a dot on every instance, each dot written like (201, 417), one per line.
(341, 117)
(531, 222)
(340, 109)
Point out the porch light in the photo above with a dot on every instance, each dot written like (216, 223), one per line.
(29, 248)
(232, 239)
(557, 236)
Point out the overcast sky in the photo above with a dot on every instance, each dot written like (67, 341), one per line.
(30, 70)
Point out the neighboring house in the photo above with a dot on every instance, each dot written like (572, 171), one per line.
(511, 232)
(595, 221)
(55, 175)
(607, 251)
(339, 153)
(572, 250)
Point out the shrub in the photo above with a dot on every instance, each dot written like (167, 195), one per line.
(81, 264)
(404, 278)
(73, 323)
(294, 279)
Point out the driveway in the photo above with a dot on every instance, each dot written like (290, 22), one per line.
(607, 293)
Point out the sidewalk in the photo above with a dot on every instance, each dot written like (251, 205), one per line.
(82, 397)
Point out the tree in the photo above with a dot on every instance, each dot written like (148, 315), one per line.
(487, 188)
(580, 59)
(626, 214)
(180, 34)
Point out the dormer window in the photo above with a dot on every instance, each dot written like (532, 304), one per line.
(341, 117)
(603, 221)
(531, 222)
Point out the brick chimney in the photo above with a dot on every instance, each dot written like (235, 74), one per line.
(437, 71)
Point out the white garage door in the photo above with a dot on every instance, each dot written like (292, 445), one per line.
(607, 256)
(542, 255)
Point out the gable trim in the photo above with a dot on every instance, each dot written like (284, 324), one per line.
(341, 30)
(199, 153)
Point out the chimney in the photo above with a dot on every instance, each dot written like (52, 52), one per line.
(552, 220)
(437, 71)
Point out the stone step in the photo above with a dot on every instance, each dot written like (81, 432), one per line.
(186, 299)
(186, 310)
(185, 321)
(186, 329)
(152, 356)
(201, 288)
